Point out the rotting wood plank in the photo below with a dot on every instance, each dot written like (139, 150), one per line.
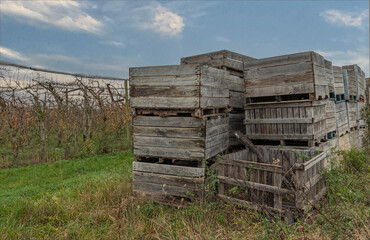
(169, 169)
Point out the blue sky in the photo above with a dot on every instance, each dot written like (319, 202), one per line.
(108, 37)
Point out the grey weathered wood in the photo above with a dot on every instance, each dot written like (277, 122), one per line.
(178, 70)
(171, 153)
(168, 169)
(240, 136)
(184, 122)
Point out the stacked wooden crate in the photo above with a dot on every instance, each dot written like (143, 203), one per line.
(233, 63)
(180, 120)
(285, 100)
(355, 88)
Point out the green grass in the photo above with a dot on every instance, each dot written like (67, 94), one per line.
(91, 198)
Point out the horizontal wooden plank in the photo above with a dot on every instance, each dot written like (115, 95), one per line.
(290, 69)
(167, 142)
(172, 132)
(169, 102)
(279, 90)
(164, 91)
(281, 79)
(214, 122)
(254, 185)
(281, 120)
(217, 130)
(252, 165)
(169, 169)
(210, 102)
(214, 92)
(179, 181)
(279, 60)
(173, 153)
(165, 190)
(288, 105)
(153, 121)
(156, 81)
(178, 70)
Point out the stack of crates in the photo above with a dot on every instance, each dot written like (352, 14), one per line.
(355, 94)
(233, 63)
(180, 123)
(286, 100)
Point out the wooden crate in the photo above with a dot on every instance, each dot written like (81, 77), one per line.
(180, 138)
(338, 80)
(224, 59)
(329, 74)
(167, 182)
(178, 87)
(299, 76)
(287, 181)
(331, 125)
(290, 124)
(356, 82)
(355, 120)
(336, 118)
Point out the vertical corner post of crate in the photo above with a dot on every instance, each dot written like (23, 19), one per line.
(299, 185)
(277, 180)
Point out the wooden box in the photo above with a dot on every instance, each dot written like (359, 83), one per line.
(338, 80)
(356, 82)
(245, 181)
(290, 124)
(336, 118)
(180, 138)
(163, 182)
(297, 76)
(224, 59)
(178, 87)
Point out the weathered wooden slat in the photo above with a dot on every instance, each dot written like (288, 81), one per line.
(279, 90)
(168, 102)
(254, 185)
(166, 91)
(254, 165)
(174, 153)
(172, 132)
(167, 142)
(169, 169)
(165, 190)
(290, 69)
(214, 92)
(179, 181)
(165, 70)
(165, 81)
(273, 61)
(185, 122)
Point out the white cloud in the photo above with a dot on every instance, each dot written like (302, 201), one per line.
(11, 54)
(113, 43)
(341, 58)
(159, 19)
(67, 15)
(351, 19)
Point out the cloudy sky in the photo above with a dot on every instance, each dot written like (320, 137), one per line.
(108, 37)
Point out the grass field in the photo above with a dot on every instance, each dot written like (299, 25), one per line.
(91, 198)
